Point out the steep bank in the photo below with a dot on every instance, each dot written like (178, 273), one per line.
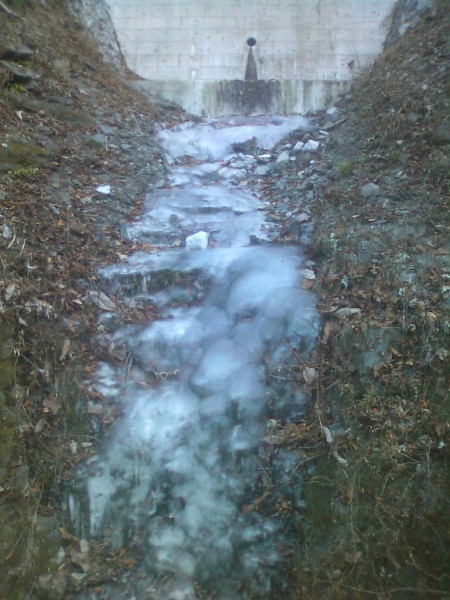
(77, 154)
(376, 514)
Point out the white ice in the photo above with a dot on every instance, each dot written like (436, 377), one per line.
(231, 216)
(179, 463)
(213, 140)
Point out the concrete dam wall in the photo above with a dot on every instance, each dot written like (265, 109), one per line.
(224, 57)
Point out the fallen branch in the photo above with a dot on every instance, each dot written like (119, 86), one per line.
(10, 12)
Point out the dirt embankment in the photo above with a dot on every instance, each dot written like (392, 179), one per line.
(377, 496)
(77, 155)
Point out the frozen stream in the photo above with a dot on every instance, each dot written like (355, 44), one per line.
(200, 383)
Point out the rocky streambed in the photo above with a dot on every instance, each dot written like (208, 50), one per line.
(182, 473)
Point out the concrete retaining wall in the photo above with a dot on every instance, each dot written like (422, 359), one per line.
(189, 49)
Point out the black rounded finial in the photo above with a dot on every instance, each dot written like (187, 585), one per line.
(251, 42)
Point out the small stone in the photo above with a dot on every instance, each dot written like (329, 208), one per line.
(308, 274)
(283, 158)
(311, 146)
(104, 189)
(238, 164)
(333, 114)
(298, 146)
(441, 135)
(370, 189)
(303, 217)
(99, 138)
(20, 483)
(197, 241)
(108, 129)
(262, 170)
(246, 147)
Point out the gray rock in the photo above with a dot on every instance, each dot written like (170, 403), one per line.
(311, 146)
(333, 114)
(304, 158)
(238, 164)
(247, 147)
(16, 53)
(94, 14)
(283, 158)
(108, 129)
(370, 189)
(441, 135)
(20, 483)
(197, 241)
(99, 138)
(262, 170)
(15, 73)
(330, 124)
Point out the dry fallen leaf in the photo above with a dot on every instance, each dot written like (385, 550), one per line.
(329, 329)
(254, 506)
(52, 405)
(328, 435)
(65, 534)
(310, 375)
(340, 460)
(65, 350)
(9, 292)
(307, 284)
(40, 425)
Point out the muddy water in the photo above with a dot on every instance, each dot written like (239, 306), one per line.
(179, 467)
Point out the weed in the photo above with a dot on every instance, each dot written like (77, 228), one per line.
(99, 147)
(18, 90)
(23, 172)
(395, 156)
(346, 168)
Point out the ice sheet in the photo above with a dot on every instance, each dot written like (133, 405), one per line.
(178, 466)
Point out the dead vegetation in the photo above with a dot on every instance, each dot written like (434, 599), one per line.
(54, 233)
(377, 500)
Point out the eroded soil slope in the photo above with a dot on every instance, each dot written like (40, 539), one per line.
(377, 496)
(68, 125)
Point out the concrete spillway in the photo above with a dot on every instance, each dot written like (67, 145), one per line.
(195, 52)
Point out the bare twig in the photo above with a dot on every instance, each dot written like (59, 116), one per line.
(10, 12)
(398, 589)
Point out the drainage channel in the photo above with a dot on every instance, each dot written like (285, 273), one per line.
(179, 475)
